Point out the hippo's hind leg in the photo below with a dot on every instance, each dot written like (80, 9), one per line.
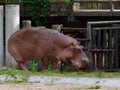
(22, 66)
(18, 58)
(21, 63)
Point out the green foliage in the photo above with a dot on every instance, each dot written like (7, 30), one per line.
(69, 2)
(35, 8)
(39, 8)
(34, 65)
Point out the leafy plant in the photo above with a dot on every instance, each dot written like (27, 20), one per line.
(39, 8)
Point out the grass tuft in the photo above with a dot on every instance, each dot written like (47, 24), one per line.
(14, 73)
(94, 87)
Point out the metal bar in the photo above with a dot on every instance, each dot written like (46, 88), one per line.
(103, 22)
(105, 28)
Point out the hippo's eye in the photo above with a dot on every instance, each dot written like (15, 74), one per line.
(68, 59)
(77, 50)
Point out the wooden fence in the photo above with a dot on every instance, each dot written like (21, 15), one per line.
(104, 44)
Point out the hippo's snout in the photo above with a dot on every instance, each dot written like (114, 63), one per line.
(85, 63)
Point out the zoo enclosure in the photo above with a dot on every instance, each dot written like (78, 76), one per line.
(98, 64)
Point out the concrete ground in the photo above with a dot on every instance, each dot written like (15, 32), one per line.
(58, 83)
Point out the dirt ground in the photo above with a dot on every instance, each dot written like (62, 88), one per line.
(49, 86)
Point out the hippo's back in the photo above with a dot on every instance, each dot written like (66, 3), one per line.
(36, 42)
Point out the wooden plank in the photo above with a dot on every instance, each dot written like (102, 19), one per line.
(99, 39)
(100, 60)
(99, 46)
(98, 42)
(74, 29)
(110, 47)
(117, 49)
(93, 61)
(110, 39)
(102, 50)
(103, 61)
(106, 61)
(94, 40)
(104, 39)
(89, 32)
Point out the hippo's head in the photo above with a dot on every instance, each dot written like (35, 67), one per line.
(74, 55)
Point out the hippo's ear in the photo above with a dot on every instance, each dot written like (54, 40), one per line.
(72, 45)
(77, 48)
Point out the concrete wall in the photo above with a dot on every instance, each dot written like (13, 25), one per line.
(1, 37)
(12, 24)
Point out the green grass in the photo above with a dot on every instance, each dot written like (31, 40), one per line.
(93, 87)
(57, 73)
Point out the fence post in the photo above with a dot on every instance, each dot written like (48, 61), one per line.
(111, 6)
(1, 37)
(89, 32)
(27, 23)
(57, 27)
(12, 24)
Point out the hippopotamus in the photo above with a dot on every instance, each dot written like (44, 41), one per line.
(36, 43)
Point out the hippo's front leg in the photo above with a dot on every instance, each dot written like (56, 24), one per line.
(44, 63)
(54, 63)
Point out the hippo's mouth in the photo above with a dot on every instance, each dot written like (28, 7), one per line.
(85, 64)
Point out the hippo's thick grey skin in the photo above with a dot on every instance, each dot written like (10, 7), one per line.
(36, 43)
